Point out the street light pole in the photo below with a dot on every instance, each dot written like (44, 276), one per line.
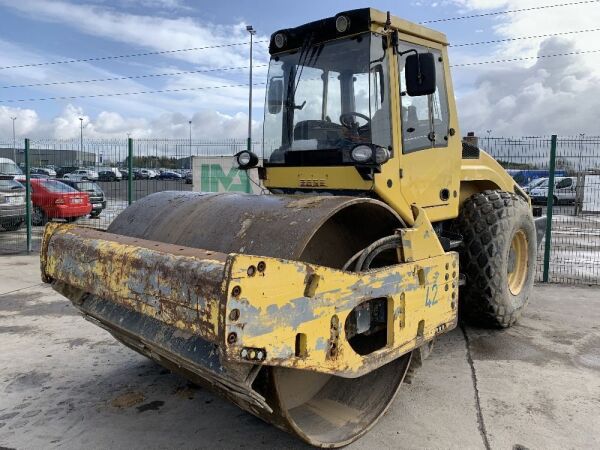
(14, 141)
(252, 32)
(81, 141)
(190, 123)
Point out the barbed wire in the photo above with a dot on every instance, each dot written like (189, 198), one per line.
(536, 36)
(523, 58)
(117, 94)
(510, 11)
(131, 77)
(130, 55)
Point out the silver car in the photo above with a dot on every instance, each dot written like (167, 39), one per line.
(82, 175)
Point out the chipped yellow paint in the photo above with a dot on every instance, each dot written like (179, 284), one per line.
(224, 302)
(272, 307)
(180, 290)
(273, 310)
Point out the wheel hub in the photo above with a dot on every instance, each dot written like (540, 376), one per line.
(518, 262)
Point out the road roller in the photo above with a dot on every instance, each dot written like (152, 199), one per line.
(376, 226)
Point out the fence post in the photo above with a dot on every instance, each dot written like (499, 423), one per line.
(27, 196)
(130, 170)
(549, 207)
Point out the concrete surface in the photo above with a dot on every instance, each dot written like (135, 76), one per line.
(65, 383)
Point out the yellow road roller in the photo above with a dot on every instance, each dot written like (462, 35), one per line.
(306, 305)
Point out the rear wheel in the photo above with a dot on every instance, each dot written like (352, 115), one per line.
(38, 216)
(498, 258)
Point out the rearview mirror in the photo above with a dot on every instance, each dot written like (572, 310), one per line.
(275, 95)
(420, 74)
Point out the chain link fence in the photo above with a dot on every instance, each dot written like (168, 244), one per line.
(115, 173)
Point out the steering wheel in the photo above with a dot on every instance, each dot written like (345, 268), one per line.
(346, 119)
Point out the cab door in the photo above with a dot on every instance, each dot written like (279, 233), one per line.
(430, 144)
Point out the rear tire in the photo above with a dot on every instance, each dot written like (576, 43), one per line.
(498, 257)
(38, 216)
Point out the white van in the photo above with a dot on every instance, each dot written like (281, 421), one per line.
(565, 191)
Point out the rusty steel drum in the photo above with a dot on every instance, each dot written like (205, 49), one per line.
(322, 410)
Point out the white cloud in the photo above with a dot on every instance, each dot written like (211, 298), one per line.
(152, 32)
(206, 124)
(543, 96)
(557, 95)
(26, 122)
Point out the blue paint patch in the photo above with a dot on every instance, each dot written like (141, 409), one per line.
(321, 344)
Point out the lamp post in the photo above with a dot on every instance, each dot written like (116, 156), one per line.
(190, 124)
(14, 140)
(252, 32)
(81, 141)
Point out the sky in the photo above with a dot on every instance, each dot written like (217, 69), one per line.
(514, 98)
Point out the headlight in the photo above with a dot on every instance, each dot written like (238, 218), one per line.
(382, 155)
(342, 23)
(362, 153)
(246, 160)
(279, 40)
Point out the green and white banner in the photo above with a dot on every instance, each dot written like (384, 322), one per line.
(220, 174)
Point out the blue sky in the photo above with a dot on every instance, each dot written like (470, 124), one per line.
(489, 96)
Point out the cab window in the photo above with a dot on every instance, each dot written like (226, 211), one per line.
(562, 184)
(425, 119)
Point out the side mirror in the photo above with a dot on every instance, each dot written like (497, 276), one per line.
(275, 95)
(419, 73)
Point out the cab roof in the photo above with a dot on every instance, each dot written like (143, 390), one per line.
(361, 20)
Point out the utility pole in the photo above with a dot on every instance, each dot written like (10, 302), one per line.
(14, 141)
(252, 32)
(81, 141)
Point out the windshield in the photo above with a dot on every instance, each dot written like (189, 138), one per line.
(89, 187)
(57, 186)
(543, 183)
(10, 168)
(332, 96)
(537, 182)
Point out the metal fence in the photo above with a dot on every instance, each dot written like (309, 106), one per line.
(573, 250)
(155, 164)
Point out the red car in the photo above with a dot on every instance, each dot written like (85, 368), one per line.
(55, 200)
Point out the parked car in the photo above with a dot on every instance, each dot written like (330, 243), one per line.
(12, 203)
(525, 176)
(169, 175)
(82, 174)
(62, 171)
(565, 191)
(8, 167)
(43, 171)
(533, 184)
(188, 178)
(96, 194)
(142, 174)
(109, 175)
(54, 199)
(124, 173)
